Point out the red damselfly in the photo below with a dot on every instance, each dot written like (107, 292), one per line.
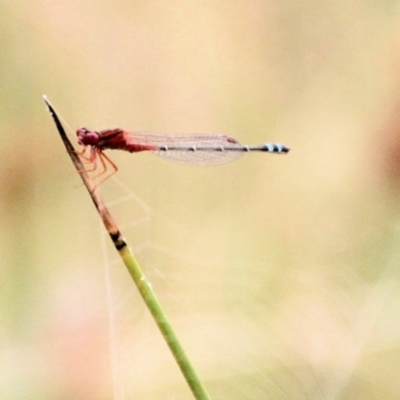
(200, 149)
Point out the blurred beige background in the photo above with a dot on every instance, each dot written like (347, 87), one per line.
(280, 274)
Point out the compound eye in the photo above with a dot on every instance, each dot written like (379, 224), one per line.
(87, 137)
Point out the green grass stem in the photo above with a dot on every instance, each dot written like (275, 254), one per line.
(145, 290)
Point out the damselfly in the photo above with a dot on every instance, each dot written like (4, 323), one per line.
(200, 149)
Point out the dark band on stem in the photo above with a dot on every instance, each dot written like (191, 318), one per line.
(118, 240)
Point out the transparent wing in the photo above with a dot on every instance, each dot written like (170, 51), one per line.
(197, 148)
